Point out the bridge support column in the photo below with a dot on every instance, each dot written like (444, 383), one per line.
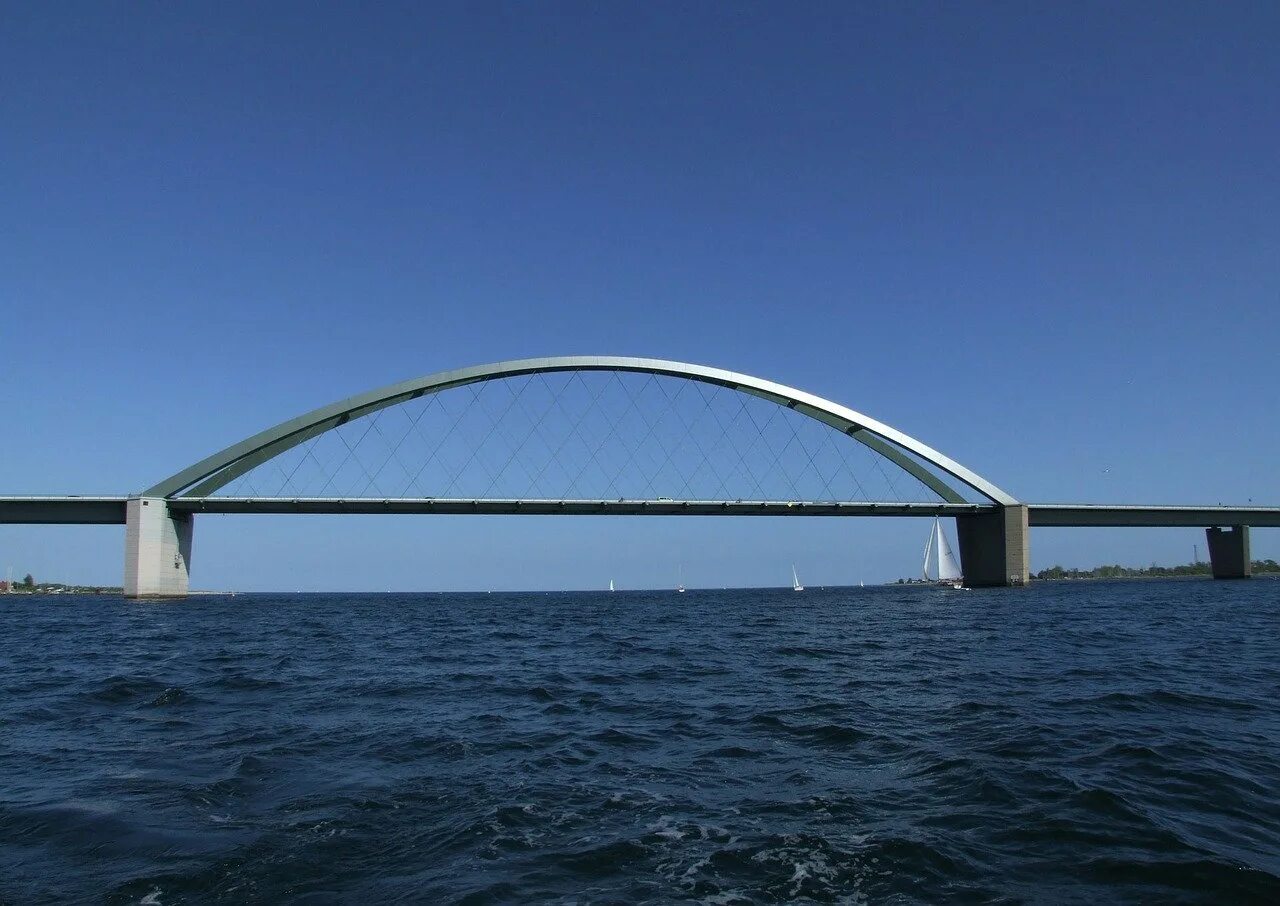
(1229, 552)
(993, 547)
(157, 549)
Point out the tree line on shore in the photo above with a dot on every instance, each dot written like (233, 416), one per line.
(29, 585)
(1116, 571)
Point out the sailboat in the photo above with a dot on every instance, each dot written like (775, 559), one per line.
(680, 581)
(940, 566)
(795, 580)
(610, 585)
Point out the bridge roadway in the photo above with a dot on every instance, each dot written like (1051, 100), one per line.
(110, 510)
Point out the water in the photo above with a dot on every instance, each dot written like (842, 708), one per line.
(1078, 742)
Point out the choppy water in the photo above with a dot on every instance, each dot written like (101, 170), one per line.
(1087, 742)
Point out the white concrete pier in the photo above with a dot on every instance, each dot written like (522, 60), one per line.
(157, 549)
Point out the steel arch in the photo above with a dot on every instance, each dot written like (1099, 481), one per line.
(213, 472)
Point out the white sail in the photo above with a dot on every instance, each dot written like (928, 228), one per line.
(610, 585)
(795, 580)
(948, 568)
(928, 549)
(939, 562)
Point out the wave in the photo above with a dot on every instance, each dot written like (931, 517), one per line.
(1075, 744)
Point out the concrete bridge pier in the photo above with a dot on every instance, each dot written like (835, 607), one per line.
(993, 547)
(157, 549)
(1229, 555)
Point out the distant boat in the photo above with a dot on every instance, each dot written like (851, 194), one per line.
(860, 585)
(795, 580)
(610, 585)
(940, 566)
(680, 581)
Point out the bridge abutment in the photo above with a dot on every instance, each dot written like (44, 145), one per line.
(157, 549)
(994, 549)
(1229, 552)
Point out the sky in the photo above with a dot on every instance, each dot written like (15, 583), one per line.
(1040, 238)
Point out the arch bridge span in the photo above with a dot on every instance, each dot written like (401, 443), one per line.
(904, 452)
(735, 445)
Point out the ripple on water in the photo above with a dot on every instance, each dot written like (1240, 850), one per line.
(118, 690)
(1084, 742)
(171, 697)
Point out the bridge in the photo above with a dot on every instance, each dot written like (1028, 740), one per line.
(600, 435)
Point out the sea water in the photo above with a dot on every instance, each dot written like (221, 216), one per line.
(1069, 742)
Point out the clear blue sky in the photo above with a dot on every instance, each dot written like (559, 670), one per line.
(1042, 238)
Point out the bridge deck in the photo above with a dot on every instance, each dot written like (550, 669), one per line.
(659, 507)
(63, 510)
(1103, 515)
(105, 510)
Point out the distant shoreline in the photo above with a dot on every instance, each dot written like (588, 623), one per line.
(1115, 571)
(58, 588)
(1261, 569)
(1256, 574)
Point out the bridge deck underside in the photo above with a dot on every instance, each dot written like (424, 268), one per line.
(63, 510)
(657, 507)
(111, 510)
(1113, 516)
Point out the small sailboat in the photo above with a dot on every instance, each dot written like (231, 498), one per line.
(610, 585)
(940, 566)
(680, 581)
(795, 580)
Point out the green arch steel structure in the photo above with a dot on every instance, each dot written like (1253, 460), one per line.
(214, 472)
